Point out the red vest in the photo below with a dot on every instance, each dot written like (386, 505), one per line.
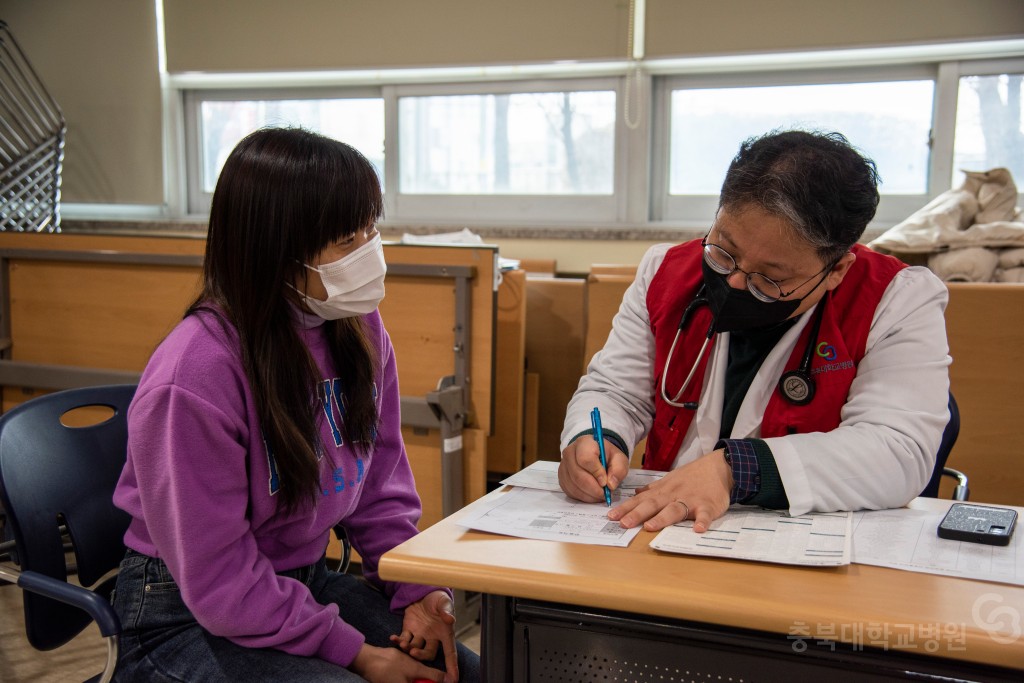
(840, 345)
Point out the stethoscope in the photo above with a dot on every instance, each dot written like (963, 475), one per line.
(797, 386)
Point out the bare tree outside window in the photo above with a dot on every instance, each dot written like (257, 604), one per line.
(358, 122)
(550, 143)
(889, 120)
(989, 126)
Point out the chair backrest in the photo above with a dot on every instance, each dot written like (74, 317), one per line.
(949, 435)
(52, 474)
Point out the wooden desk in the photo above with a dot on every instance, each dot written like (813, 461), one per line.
(616, 614)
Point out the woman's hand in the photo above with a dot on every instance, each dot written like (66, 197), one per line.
(581, 475)
(427, 624)
(698, 490)
(388, 665)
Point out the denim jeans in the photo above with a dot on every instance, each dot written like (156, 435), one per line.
(162, 641)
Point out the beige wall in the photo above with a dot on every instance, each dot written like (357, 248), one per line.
(99, 57)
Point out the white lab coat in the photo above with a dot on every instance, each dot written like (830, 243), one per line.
(883, 451)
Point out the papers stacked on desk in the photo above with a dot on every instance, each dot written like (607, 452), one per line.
(550, 516)
(906, 539)
(817, 539)
(543, 474)
(537, 508)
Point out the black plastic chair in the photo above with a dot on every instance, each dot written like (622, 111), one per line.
(949, 435)
(58, 481)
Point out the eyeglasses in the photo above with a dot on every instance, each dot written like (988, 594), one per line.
(761, 286)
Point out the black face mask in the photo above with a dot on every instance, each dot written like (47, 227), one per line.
(738, 309)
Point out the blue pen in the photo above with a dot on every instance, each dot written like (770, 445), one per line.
(595, 420)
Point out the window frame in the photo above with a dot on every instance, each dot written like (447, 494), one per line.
(640, 196)
(197, 199)
(950, 74)
(433, 208)
(442, 208)
(698, 210)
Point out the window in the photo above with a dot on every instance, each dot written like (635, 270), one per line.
(553, 143)
(989, 126)
(539, 150)
(554, 149)
(221, 120)
(467, 153)
(889, 120)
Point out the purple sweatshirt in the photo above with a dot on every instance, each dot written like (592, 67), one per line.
(201, 490)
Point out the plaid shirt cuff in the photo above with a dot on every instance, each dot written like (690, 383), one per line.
(746, 473)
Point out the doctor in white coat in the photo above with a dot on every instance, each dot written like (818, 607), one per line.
(775, 362)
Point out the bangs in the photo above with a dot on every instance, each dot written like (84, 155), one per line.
(347, 191)
(284, 194)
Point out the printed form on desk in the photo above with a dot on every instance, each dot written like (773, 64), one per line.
(906, 539)
(550, 516)
(543, 474)
(536, 508)
(745, 533)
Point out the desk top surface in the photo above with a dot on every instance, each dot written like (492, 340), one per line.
(859, 604)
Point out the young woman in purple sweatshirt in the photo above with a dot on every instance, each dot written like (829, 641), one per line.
(269, 415)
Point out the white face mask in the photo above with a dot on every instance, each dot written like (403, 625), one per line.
(354, 283)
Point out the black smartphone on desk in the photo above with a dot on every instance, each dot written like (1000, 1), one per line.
(978, 524)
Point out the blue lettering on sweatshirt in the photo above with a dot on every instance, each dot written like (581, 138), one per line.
(341, 483)
(329, 393)
(332, 399)
(275, 480)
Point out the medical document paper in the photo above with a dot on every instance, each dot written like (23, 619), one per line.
(906, 539)
(816, 539)
(543, 474)
(549, 516)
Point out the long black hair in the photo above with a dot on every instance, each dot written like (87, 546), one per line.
(283, 196)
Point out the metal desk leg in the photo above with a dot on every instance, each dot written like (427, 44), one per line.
(496, 638)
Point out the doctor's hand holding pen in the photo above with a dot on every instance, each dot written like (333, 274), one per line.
(698, 490)
(581, 475)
